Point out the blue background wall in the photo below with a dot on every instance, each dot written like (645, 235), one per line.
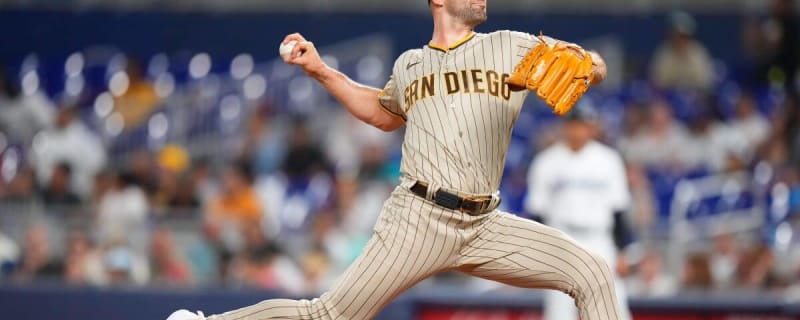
(58, 34)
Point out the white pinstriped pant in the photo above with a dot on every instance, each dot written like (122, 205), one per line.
(415, 239)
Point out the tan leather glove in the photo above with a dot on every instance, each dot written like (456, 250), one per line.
(560, 74)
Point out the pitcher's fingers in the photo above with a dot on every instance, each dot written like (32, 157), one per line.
(300, 50)
(294, 37)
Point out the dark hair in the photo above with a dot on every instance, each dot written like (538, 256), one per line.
(243, 169)
(128, 178)
(264, 253)
(64, 166)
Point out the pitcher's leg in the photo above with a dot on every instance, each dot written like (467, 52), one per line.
(527, 254)
(393, 260)
(332, 304)
(603, 244)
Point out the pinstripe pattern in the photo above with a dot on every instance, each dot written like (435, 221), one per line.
(415, 239)
(459, 118)
(458, 139)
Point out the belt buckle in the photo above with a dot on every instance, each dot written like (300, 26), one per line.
(447, 200)
(483, 202)
(470, 212)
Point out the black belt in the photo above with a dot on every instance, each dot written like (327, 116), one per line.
(471, 205)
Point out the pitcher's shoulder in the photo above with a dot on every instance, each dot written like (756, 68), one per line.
(513, 37)
(411, 54)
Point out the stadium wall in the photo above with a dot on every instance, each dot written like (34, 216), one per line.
(129, 304)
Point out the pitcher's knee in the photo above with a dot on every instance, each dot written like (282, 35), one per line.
(596, 277)
(318, 309)
(603, 270)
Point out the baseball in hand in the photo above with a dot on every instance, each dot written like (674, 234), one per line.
(286, 49)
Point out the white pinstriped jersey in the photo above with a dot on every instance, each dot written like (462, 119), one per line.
(459, 113)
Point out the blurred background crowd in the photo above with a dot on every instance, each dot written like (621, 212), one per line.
(184, 169)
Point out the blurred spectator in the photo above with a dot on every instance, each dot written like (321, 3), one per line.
(22, 115)
(659, 143)
(304, 157)
(200, 176)
(184, 198)
(267, 268)
(317, 271)
(643, 207)
(681, 62)
(360, 203)
(361, 197)
(303, 187)
(9, 254)
(650, 279)
(124, 267)
(168, 265)
(38, 261)
(724, 258)
(142, 166)
(336, 240)
(57, 192)
(209, 257)
(755, 268)
(21, 189)
(103, 183)
(710, 143)
(266, 142)
(697, 272)
(262, 263)
(122, 214)
(372, 163)
(237, 201)
(752, 127)
(775, 150)
(72, 143)
(176, 190)
(634, 121)
(139, 99)
(348, 142)
(82, 263)
(253, 237)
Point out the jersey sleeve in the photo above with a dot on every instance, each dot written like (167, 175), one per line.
(389, 99)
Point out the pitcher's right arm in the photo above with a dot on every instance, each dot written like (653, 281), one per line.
(361, 101)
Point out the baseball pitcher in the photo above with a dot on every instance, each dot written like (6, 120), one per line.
(458, 98)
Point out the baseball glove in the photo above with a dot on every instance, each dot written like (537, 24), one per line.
(560, 74)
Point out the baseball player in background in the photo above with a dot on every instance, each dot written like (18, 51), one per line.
(458, 98)
(579, 186)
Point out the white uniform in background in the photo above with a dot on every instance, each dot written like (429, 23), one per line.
(578, 193)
